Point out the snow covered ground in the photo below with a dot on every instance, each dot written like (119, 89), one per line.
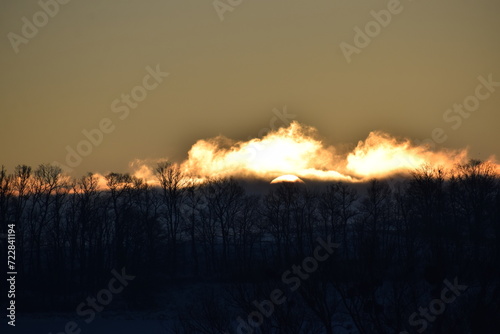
(30, 325)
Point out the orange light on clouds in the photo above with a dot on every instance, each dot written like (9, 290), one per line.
(297, 152)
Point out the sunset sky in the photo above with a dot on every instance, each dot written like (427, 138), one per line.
(226, 76)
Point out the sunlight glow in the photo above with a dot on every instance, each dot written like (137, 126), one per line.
(296, 151)
(287, 178)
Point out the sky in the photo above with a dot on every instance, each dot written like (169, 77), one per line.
(198, 69)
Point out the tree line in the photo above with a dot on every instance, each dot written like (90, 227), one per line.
(399, 240)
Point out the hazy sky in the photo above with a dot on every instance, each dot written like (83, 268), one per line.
(226, 76)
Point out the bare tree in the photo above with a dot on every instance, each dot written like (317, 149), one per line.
(173, 184)
(118, 184)
(246, 230)
(278, 209)
(224, 198)
(337, 207)
(6, 193)
(192, 207)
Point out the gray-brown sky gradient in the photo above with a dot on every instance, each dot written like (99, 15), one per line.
(227, 76)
